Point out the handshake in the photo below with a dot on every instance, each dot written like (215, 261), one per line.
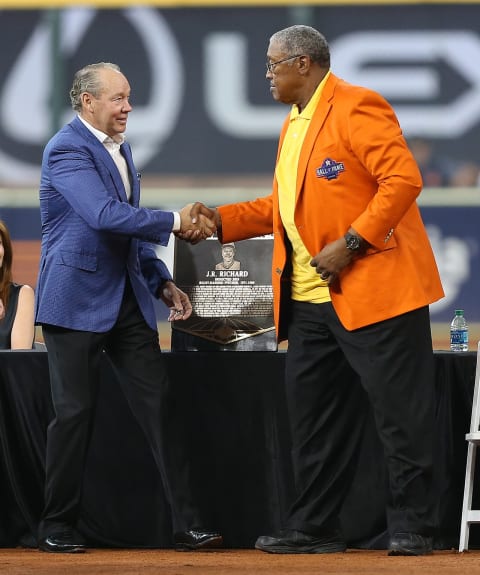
(197, 222)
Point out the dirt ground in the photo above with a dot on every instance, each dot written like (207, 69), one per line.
(234, 562)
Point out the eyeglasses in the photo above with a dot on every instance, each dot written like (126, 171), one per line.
(271, 65)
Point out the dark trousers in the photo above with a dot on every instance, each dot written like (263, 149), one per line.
(74, 361)
(327, 367)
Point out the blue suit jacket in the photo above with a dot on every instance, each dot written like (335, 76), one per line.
(92, 236)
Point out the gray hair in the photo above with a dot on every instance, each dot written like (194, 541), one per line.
(87, 80)
(300, 39)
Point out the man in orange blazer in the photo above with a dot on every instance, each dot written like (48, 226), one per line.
(353, 274)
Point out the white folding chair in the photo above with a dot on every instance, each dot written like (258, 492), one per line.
(470, 515)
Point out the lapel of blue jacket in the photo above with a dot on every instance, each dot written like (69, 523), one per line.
(102, 153)
(134, 177)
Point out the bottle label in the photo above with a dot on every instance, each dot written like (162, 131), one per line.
(459, 336)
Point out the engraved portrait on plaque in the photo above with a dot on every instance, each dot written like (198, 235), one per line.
(228, 258)
(230, 289)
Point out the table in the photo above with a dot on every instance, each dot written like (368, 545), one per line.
(234, 407)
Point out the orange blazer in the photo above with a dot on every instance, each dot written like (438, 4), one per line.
(355, 169)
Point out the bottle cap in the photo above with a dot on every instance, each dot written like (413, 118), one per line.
(459, 312)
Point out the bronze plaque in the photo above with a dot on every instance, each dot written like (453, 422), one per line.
(230, 289)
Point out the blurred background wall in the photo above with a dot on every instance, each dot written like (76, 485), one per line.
(204, 125)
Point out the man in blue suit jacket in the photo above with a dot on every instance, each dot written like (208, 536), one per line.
(98, 271)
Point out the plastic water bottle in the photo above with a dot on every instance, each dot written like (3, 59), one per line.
(459, 332)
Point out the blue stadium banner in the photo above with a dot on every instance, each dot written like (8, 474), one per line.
(201, 100)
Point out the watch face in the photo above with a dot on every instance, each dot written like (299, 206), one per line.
(353, 242)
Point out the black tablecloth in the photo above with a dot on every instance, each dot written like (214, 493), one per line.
(233, 405)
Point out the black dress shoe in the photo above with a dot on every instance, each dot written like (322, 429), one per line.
(291, 541)
(197, 539)
(410, 544)
(65, 542)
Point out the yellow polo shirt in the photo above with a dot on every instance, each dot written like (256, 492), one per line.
(306, 282)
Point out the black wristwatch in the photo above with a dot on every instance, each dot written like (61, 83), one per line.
(353, 242)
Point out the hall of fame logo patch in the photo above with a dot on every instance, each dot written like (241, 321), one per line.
(330, 169)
